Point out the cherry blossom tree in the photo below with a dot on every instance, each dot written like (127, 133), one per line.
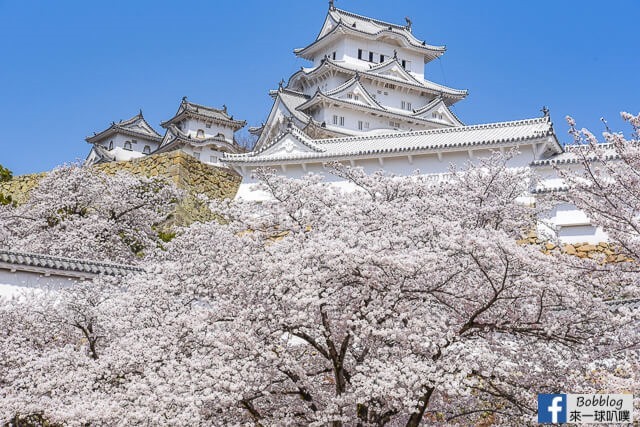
(607, 186)
(405, 302)
(81, 212)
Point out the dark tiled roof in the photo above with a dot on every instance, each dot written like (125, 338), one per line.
(136, 126)
(63, 266)
(191, 109)
(361, 25)
(452, 138)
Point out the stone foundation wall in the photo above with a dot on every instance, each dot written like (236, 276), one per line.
(603, 251)
(19, 187)
(186, 172)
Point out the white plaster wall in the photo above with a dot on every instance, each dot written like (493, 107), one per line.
(137, 146)
(14, 284)
(375, 122)
(570, 224)
(191, 127)
(347, 50)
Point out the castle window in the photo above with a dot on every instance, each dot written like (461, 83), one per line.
(213, 159)
(196, 155)
(200, 134)
(333, 55)
(360, 125)
(338, 120)
(359, 53)
(370, 56)
(208, 125)
(404, 63)
(127, 145)
(381, 58)
(133, 141)
(110, 145)
(146, 149)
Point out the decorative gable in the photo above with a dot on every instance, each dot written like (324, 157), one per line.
(394, 70)
(437, 111)
(292, 143)
(327, 27)
(353, 91)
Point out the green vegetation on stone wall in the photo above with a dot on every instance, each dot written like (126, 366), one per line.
(5, 175)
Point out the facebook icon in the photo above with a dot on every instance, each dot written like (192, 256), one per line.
(552, 408)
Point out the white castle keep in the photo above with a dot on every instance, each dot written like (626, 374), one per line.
(364, 101)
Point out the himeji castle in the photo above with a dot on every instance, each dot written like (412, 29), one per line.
(364, 100)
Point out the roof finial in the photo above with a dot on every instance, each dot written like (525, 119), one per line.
(409, 23)
(224, 107)
(545, 111)
(395, 54)
(184, 99)
(140, 113)
(281, 84)
(332, 6)
(289, 120)
(606, 125)
(357, 76)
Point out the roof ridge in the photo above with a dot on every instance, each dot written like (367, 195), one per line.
(366, 18)
(124, 123)
(428, 105)
(295, 92)
(206, 107)
(68, 259)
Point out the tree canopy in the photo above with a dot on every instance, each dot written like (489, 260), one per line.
(81, 212)
(401, 303)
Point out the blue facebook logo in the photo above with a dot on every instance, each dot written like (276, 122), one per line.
(552, 408)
